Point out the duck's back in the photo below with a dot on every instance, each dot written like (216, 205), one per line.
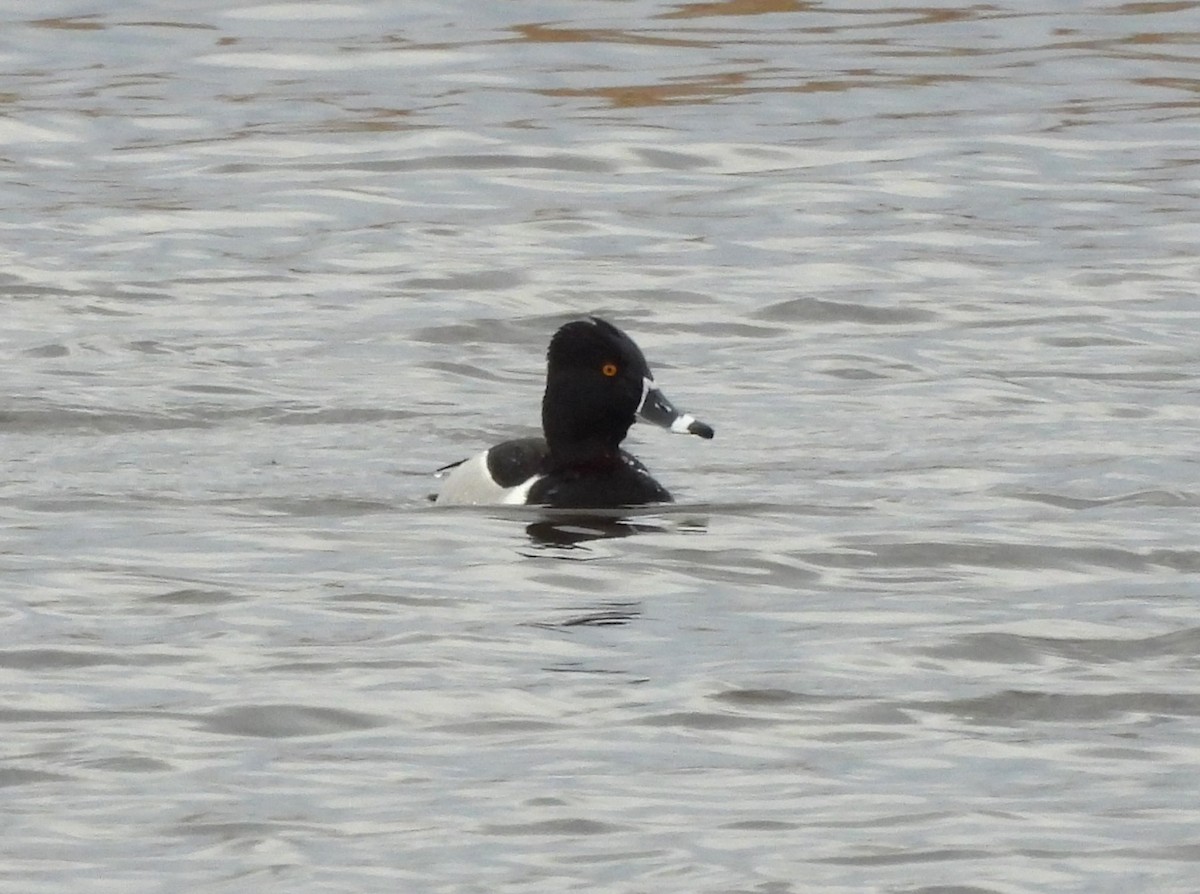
(501, 474)
(522, 472)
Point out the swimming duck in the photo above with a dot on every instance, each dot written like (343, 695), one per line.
(597, 383)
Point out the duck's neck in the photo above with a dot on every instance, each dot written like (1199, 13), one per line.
(575, 437)
(583, 456)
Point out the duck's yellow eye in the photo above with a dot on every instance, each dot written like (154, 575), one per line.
(609, 369)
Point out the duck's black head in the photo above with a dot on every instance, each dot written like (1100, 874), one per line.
(597, 383)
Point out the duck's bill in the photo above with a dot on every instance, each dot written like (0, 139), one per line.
(657, 409)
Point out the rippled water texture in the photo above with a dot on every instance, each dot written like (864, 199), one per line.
(925, 617)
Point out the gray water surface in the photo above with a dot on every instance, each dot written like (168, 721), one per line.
(924, 619)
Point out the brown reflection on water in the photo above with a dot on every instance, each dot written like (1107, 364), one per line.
(537, 33)
(1141, 9)
(701, 89)
(737, 8)
(70, 23)
(912, 15)
(741, 83)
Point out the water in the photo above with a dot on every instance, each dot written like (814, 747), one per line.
(924, 619)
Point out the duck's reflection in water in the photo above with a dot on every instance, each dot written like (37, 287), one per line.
(569, 528)
(571, 532)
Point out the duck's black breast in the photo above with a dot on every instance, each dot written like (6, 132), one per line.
(598, 484)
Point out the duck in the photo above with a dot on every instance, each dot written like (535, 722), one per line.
(598, 384)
